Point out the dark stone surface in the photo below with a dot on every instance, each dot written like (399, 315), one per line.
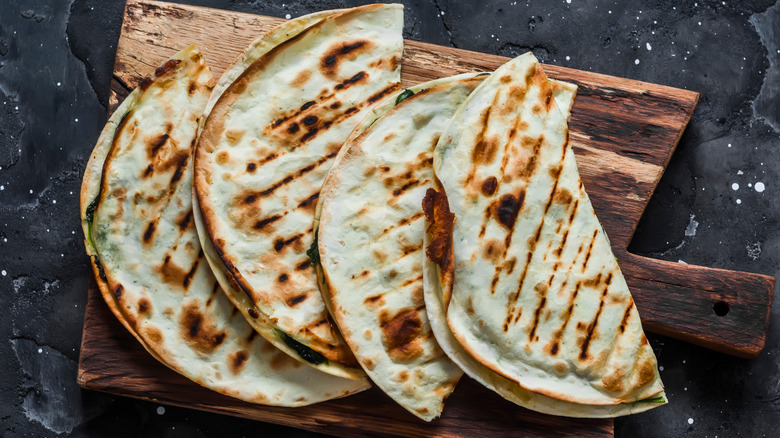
(55, 68)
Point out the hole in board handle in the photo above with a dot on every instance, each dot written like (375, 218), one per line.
(721, 308)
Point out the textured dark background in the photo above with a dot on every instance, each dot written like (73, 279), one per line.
(56, 60)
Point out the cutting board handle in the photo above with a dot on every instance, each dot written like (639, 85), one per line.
(727, 311)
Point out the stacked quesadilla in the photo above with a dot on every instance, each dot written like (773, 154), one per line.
(523, 290)
(261, 158)
(370, 237)
(137, 217)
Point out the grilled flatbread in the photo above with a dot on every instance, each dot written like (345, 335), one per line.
(530, 287)
(370, 236)
(262, 155)
(137, 218)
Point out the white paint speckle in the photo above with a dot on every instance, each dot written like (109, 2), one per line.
(160, 410)
(739, 201)
(690, 421)
(53, 201)
(3, 272)
(690, 230)
(40, 350)
(2, 187)
(76, 119)
(729, 144)
(700, 23)
(760, 187)
(739, 172)
(636, 62)
(288, 16)
(735, 186)
(568, 58)
(649, 47)
(660, 368)
(59, 84)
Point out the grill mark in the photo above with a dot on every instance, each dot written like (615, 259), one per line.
(184, 222)
(373, 299)
(480, 139)
(303, 265)
(405, 187)
(261, 224)
(558, 333)
(590, 247)
(294, 301)
(351, 81)
(308, 201)
(402, 222)
(489, 186)
(180, 166)
(539, 309)
(307, 105)
(411, 281)
(191, 272)
(592, 326)
(289, 178)
(380, 94)
(626, 315)
(280, 242)
(149, 233)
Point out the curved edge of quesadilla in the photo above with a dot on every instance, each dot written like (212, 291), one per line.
(392, 370)
(538, 374)
(205, 340)
(260, 47)
(295, 345)
(90, 192)
(504, 387)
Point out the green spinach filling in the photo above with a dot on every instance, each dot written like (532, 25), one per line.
(403, 96)
(314, 250)
(303, 351)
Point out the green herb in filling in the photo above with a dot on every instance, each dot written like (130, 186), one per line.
(659, 399)
(314, 251)
(403, 96)
(303, 351)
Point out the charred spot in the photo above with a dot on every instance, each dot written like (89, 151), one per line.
(168, 66)
(554, 349)
(335, 105)
(489, 186)
(307, 105)
(508, 208)
(154, 144)
(401, 332)
(118, 291)
(280, 243)
(144, 307)
(251, 167)
(312, 132)
(248, 199)
(180, 166)
(173, 274)
(145, 83)
(310, 120)
(191, 88)
(330, 61)
(562, 196)
(382, 93)
(485, 150)
(555, 171)
(148, 171)
(351, 81)
(374, 299)
(198, 331)
(183, 222)
(238, 360)
(283, 278)
(309, 201)
(188, 278)
(350, 110)
(263, 223)
(149, 233)
(293, 128)
(253, 313)
(303, 265)
(294, 301)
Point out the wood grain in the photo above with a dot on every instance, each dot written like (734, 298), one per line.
(623, 133)
(113, 361)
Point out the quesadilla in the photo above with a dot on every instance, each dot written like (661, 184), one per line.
(370, 235)
(530, 288)
(139, 232)
(263, 152)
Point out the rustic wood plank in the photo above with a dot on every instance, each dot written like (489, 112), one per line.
(113, 361)
(623, 133)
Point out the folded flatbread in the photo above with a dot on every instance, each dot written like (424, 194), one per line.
(261, 158)
(528, 283)
(370, 237)
(137, 220)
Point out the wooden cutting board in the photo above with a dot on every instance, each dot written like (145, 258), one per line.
(623, 133)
